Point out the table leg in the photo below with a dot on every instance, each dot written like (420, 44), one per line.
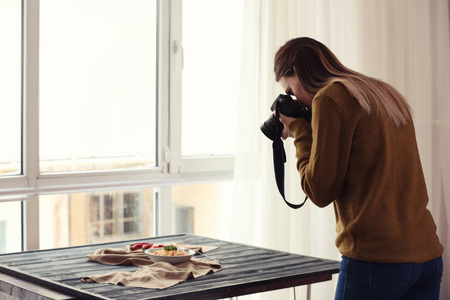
(308, 292)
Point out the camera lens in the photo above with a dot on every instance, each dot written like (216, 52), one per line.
(269, 127)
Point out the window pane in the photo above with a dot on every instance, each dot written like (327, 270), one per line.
(202, 209)
(97, 84)
(211, 75)
(10, 91)
(86, 218)
(10, 227)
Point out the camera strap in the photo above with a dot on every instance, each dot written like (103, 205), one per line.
(279, 158)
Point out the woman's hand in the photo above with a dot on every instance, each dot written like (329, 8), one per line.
(286, 122)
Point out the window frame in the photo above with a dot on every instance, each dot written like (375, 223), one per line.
(186, 164)
(171, 169)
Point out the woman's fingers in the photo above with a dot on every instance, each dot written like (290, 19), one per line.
(286, 122)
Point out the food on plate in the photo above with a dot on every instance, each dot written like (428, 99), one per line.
(136, 246)
(169, 251)
(144, 246)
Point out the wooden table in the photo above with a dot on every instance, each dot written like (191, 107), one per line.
(246, 270)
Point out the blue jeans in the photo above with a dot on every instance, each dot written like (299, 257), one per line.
(377, 281)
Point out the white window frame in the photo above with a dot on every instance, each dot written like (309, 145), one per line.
(220, 164)
(173, 169)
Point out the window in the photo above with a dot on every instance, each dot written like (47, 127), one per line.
(10, 227)
(92, 132)
(96, 217)
(210, 83)
(2, 236)
(130, 213)
(123, 209)
(97, 85)
(10, 91)
(202, 208)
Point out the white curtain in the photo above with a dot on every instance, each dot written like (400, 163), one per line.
(403, 42)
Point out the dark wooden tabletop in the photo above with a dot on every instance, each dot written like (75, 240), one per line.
(246, 270)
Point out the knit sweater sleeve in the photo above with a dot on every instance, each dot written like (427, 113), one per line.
(322, 149)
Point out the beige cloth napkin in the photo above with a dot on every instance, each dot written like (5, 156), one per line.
(152, 275)
(201, 249)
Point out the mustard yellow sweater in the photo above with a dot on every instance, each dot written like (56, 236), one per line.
(371, 171)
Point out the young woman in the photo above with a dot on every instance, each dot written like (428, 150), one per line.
(360, 153)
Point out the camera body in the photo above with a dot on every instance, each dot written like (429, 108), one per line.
(272, 127)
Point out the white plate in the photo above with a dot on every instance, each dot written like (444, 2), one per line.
(170, 259)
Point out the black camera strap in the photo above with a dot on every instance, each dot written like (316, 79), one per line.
(279, 158)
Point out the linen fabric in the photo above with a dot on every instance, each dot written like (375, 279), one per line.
(158, 275)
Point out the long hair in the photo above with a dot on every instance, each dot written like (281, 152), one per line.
(316, 66)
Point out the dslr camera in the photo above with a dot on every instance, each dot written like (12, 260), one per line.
(273, 127)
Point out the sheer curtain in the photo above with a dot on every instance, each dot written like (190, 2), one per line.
(404, 42)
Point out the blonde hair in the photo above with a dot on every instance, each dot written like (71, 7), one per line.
(316, 67)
